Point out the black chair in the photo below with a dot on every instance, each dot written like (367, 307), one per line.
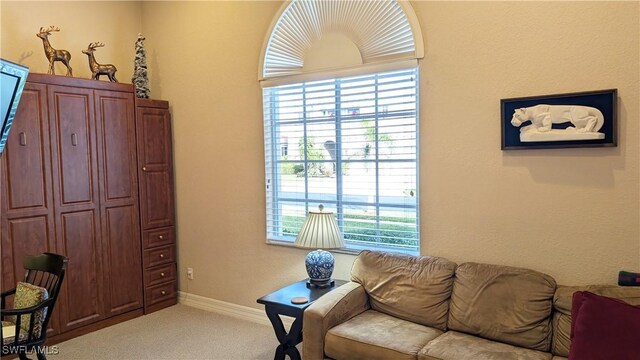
(44, 271)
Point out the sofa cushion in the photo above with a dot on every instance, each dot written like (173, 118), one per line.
(456, 346)
(562, 306)
(507, 304)
(413, 288)
(603, 328)
(375, 335)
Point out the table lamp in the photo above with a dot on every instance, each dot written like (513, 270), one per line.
(320, 231)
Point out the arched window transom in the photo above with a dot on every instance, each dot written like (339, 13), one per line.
(313, 35)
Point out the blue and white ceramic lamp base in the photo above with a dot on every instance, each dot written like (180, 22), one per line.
(319, 264)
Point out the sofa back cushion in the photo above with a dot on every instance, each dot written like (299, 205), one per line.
(562, 310)
(507, 304)
(413, 288)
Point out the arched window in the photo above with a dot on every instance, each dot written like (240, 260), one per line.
(340, 99)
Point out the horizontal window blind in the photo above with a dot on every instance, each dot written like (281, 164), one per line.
(349, 144)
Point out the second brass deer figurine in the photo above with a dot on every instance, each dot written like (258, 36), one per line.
(52, 54)
(99, 69)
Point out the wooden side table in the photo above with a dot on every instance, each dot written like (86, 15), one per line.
(279, 303)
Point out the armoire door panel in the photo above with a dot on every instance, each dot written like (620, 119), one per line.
(122, 255)
(25, 236)
(154, 125)
(27, 152)
(116, 137)
(26, 202)
(82, 298)
(155, 162)
(158, 199)
(72, 110)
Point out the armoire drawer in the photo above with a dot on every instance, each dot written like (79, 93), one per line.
(159, 256)
(159, 293)
(160, 274)
(158, 237)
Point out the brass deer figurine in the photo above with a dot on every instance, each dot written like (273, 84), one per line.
(52, 54)
(99, 69)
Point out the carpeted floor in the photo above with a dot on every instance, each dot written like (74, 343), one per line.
(178, 332)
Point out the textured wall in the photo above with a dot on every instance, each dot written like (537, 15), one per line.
(573, 213)
(205, 62)
(115, 23)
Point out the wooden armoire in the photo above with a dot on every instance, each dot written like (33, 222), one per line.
(87, 173)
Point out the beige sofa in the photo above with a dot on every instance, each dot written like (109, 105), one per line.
(429, 308)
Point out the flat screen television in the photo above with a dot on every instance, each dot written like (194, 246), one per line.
(12, 80)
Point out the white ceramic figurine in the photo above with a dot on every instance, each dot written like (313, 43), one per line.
(586, 121)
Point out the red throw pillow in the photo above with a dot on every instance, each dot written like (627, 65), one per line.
(603, 328)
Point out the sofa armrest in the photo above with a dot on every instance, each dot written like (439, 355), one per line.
(330, 310)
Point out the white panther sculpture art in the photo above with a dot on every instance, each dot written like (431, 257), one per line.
(586, 122)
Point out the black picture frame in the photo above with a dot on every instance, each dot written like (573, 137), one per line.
(603, 100)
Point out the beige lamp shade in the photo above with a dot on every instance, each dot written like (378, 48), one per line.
(320, 231)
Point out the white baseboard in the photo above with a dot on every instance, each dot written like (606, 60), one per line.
(229, 309)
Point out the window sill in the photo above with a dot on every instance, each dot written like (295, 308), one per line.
(349, 251)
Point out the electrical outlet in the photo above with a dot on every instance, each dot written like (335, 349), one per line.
(190, 273)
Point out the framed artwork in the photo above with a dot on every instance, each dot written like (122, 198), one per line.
(584, 119)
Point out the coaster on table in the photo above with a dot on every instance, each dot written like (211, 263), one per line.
(299, 300)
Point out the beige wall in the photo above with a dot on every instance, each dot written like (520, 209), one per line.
(116, 24)
(572, 213)
(205, 62)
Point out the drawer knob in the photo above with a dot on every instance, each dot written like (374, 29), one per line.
(144, 168)
(163, 292)
(161, 256)
(160, 237)
(161, 274)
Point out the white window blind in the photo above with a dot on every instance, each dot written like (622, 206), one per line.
(379, 29)
(351, 145)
